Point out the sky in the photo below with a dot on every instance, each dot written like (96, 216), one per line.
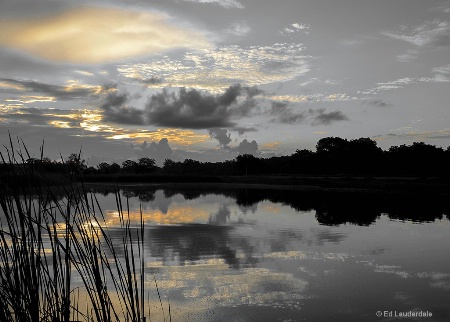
(211, 79)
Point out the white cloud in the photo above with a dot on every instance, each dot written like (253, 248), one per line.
(223, 3)
(439, 75)
(218, 68)
(391, 85)
(295, 29)
(434, 32)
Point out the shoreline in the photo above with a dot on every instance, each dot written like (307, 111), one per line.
(390, 185)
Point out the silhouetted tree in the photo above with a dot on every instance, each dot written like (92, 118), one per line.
(146, 165)
(364, 156)
(248, 164)
(75, 164)
(129, 166)
(103, 167)
(419, 158)
(332, 145)
(302, 161)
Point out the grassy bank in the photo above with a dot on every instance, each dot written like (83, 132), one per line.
(48, 240)
(436, 185)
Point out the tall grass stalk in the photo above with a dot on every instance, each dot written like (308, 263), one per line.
(45, 241)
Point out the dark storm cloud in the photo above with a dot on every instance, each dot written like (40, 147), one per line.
(221, 135)
(189, 109)
(196, 110)
(115, 110)
(324, 118)
(60, 92)
(193, 109)
(283, 114)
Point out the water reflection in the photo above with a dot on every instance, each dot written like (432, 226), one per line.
(331, 208)
(267, 255)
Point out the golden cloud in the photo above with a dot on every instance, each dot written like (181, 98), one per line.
(94, 35)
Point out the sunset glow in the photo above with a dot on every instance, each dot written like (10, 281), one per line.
(208, 78)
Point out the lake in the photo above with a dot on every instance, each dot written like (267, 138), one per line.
(248, 254)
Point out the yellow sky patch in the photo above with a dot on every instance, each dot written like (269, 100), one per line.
(270, 145)
(8, 85)
(60, 124)
(175, 136)
(91, 121)
(75, 85)
(95, 35)
(36, 98)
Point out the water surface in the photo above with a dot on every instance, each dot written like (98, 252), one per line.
(261, 255)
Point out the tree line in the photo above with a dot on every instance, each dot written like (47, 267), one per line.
(333, 156)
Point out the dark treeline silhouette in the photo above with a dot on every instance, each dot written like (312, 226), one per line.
(333, 156)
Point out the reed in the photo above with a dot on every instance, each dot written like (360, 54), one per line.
(46, 241)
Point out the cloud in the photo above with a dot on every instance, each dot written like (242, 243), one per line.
(283, 114)
(68, 92)
(215, 69)
(324, 118)
(115, 110)
(95, 35)
(187, 109)
(379, 103)
(14, 64)
(246, 147)
(414, 134)
(177, 136)
(296, 29)
(396, 84)
(158, 151)
(151, 81)
(221, 136)
(434, 33)
(40, 117)
(222, 3)
(192, 109)
(242, 130)
(442, 73)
